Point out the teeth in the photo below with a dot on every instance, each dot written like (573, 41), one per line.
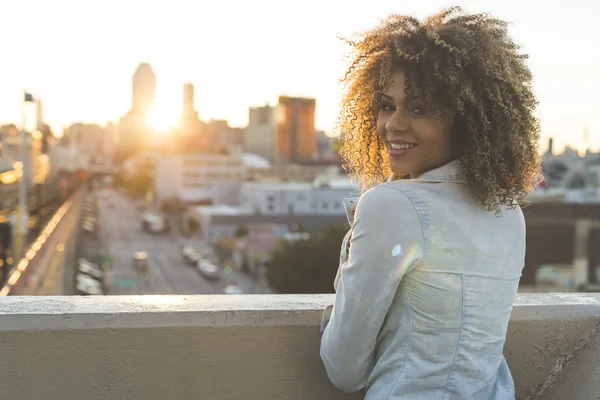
(402, 146)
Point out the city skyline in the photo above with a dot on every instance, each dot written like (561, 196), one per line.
(237, 55)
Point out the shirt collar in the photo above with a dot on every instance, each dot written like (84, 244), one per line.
(449, 172)
(350, 207)
(446, 173)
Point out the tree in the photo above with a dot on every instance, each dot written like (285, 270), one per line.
(223, 249)
(141, 182)
(307, 266)
(172, 206)
(241, 232)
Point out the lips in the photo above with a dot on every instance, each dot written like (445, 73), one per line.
(398, 148)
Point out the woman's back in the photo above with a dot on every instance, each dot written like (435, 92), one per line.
(424, 297)
(445, 330)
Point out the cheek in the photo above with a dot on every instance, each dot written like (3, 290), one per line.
(431, 132)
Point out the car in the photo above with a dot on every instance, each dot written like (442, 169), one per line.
(140, 259)
(233, 289)
(89, 290)
(88, 285)
(89, 225)
(193, 257)
(155, 223)
(186, 251)
(210, 271)
(89, 268)
(203, 261)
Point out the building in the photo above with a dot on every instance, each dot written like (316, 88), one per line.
(281, 207)
(45, 130)
(37, 166)
(296, 198)
(209, 178)
(296, 139)
(217, 135)
(88, 147)
(190, 121)
(134, 126)
(288, 173)
(87, 138)
(327, 149)
(261, 132)
(143, 89)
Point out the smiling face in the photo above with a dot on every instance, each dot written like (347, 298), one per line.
(417, 139)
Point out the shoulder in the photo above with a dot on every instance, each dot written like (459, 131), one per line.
(383, 194)
(387, 213)
(387, 202)
(392, 193)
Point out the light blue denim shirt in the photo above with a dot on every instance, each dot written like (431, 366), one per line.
(423, 300)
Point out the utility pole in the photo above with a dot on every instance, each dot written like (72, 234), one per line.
(22, 212)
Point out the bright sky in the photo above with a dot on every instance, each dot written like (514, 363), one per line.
(79, 55)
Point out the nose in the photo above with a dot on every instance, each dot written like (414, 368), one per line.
(397, 123)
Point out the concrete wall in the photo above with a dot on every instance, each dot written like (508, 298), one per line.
(247, 347)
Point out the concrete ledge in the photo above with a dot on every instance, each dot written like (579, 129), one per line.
(248, 347)
(117, 312)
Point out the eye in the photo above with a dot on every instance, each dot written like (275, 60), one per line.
(418, 111)
(387, 107)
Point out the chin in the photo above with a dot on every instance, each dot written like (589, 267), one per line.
(400, 169)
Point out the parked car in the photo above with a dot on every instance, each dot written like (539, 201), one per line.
(88, 286)
(155, 223)
(89, 224)
(233, 289)
(89, 268)
(187, 251)
(210, 271)
(89, 290)
(192, 256)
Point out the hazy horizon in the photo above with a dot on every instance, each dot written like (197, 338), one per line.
(79, 56)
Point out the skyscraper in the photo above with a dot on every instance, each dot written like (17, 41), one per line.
(143, 89)
(134, 126)
(261, 131)
(296, 139)
(190, 126)
(189, 118)
(188, 97)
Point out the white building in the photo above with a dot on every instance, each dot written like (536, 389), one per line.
(297, 198)
(278, 198)
(200, 177)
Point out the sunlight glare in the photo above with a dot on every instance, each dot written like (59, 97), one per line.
(162, 119)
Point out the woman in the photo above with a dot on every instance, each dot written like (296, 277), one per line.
(445, 110)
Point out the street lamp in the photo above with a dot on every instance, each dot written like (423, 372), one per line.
(22, 207)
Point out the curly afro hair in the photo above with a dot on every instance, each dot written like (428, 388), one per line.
(463, 64)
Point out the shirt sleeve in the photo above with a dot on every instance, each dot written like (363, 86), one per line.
(343, 257)
(387, 241)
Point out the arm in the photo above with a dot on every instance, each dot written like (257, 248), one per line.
(343, 257)
(326, 316)
(387, 241)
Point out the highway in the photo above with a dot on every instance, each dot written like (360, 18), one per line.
(169, 274)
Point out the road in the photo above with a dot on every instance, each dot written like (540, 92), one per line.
(169, 274)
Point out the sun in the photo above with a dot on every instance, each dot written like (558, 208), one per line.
(162, 119)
